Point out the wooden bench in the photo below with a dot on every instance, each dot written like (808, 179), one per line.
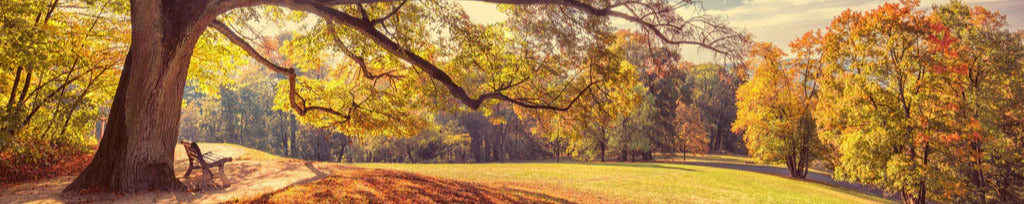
(204, 160)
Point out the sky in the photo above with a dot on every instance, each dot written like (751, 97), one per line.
(779, 21)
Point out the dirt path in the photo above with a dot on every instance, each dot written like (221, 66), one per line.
(251, 174)
(811, 176)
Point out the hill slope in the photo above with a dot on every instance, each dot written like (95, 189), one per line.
(640, 182)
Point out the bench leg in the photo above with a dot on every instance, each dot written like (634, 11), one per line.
(207, 170)
(221, 167)
(189, 171)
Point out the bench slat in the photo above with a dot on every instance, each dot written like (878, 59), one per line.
(214, 158)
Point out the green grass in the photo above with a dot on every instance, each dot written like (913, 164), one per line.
(641, 182)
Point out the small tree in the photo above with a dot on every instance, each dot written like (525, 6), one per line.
(691, 136)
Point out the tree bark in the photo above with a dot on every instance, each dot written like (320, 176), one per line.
(684, 153)
(603, 143)
(14, 88)
(922, 195)
(137, 150)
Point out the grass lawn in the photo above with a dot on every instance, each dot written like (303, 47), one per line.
(640, 182)
(260, 177)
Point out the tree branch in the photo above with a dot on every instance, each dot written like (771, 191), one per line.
(361, 61)
(293, 95)
(367, 29)
(655, 17)
(393, 12)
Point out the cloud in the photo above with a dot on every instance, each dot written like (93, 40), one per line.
(775, 12)
(776, 21)
(780, 21)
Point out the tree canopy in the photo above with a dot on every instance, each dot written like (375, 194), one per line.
(774, 110)
(923, 101)
(58, 74)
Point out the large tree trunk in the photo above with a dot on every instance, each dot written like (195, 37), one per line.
(137, 150)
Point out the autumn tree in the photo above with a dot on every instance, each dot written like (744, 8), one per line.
(774, 111)
(979, 61)
(601, 118)
(691, 131)
(873, 98)
(59, 68)
(923, 102)
(547, 41)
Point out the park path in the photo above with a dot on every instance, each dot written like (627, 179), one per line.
(252, 174)
(811, 176)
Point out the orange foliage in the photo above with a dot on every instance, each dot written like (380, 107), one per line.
(56, 166)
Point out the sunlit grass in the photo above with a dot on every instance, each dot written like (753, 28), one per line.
(641, 182)
(736, 159)
(551, 182)
(715, 158)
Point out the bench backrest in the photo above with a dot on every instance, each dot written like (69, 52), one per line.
(192, 149)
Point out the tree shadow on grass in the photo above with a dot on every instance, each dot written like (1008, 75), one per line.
(811, 177)
(642, 165)
(387, 186)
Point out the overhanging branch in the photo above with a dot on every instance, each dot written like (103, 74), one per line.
(297, 101)
(655, 17)
(368, 30)
(360, 61)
